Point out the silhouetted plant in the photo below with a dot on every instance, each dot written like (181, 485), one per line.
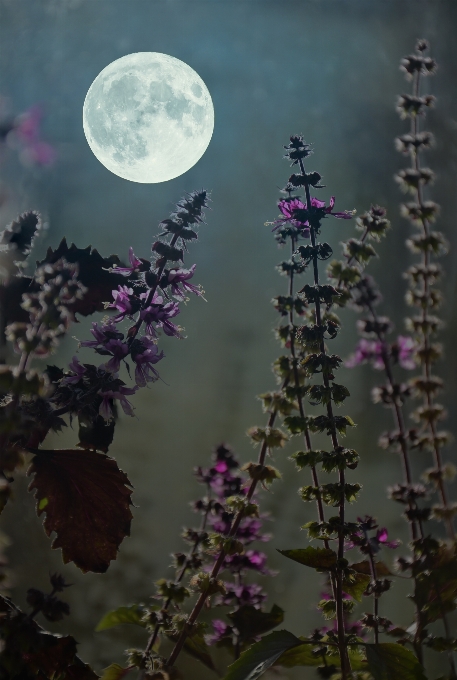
(73, 484)
(36, 312)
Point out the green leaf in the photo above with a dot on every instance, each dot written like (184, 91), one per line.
(302, 655)
(197, 647)
(251, 622)
(116, 617)
(88, 505)
(307, 654)
(316, 558)
(261, 656)
(355, 585)
(114, 672)
(390, 661)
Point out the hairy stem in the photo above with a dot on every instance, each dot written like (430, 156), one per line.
(345, 665)
(427, 364)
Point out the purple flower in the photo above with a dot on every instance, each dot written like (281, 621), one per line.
(405, 348)
(78, 370)
(109, 342)
(370, 544)
(297, 213)
(120, 393)
(145, 354)
(160, 314)
(180, 277)
(251, 594)
(136, 265)
(119, 351)
(125, 301)
(381, 539)
(367, 351)
(221, 630)
(250, 559)
(27, 131)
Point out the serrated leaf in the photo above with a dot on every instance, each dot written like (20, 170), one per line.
(197, 647)
(116, 617)
(252, 622)
(261, 656)
(391, 661)
(356, 586)
(316, 558)
(302, 655)
(114, 672)
(364, 568)
(93, 274)
(29, 651)
(88, 505)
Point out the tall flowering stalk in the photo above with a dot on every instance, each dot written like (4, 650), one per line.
(150, 298)
(428, 245)
(432, 561)
(225, 488)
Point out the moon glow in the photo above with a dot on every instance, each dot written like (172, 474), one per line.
(148, 117)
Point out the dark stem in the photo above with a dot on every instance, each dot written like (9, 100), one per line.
(345, 665)
(133, 331)
(375, 597)
(179, 578)
(427, 368)
(220, 560)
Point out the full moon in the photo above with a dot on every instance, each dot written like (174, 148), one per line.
(148, 117)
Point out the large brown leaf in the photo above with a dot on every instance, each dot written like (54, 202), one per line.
(86, 498)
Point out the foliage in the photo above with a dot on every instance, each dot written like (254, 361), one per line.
(86, 499)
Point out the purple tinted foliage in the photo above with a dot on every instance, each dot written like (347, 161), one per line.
(371, 351)
(26, 129)
(178, 280)
(136, 265)
(296, 213)
(223, 480)
(406, 351)
(367, 351)
(145, 354)
(160, 314)
(78, 371)
(126, 302)
(121, 393)
(367, 544)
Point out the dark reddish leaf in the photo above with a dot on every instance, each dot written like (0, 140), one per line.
(86, 498)
(92, 273)
(252, 622)
(96, 435)
(30, 652)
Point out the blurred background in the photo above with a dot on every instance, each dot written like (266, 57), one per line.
(327, 69)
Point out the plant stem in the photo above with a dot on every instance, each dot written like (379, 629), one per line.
(220, 560)
(345, 665)
(133, 331)
(427, 368)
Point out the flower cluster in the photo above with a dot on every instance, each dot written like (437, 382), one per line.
(138, 301)
(373, 352)
(228, 490)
